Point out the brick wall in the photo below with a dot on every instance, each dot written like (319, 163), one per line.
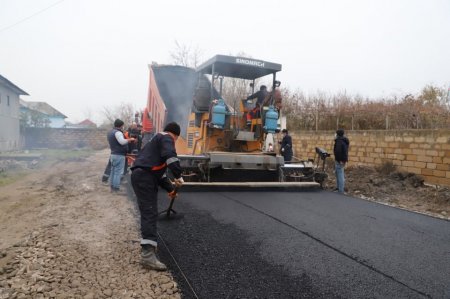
(65, 138)
(424, 152)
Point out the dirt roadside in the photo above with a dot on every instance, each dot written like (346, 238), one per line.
(388, 186)
(63, 235)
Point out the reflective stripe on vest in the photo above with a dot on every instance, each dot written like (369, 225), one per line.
(172, 160)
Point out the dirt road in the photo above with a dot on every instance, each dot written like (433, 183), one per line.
(63, 235)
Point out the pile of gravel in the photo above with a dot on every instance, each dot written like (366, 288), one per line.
(45, 266)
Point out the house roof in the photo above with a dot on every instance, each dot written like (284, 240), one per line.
(10, 85)
(87, 122)
(41, 107)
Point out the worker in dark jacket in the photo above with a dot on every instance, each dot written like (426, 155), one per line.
(341, 144)
(286, 146)
(259, 95)
(255, 112)
(130, 144)
(149, 172)
(119, 147)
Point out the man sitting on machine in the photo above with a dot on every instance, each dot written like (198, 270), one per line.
(256, 111)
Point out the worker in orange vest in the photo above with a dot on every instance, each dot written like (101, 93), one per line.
(147, 127)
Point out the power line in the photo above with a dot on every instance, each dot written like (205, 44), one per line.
(29, 17)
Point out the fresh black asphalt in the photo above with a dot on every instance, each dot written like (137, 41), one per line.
(312, 244)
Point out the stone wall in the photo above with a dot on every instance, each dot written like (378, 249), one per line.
(423, 152)
(62, 138)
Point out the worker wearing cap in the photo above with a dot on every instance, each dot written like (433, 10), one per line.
(149, 172)
(119, 147)
(286, 146)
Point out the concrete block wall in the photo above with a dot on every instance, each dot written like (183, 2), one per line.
(62, 138)
(423, 152)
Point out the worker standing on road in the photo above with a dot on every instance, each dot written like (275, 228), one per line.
(341, 144)
(118, 145)
(286, 146)
(149, 172)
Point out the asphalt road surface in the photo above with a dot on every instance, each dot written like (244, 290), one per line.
(312, 244)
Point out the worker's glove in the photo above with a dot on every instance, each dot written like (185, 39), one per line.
(282, 149)
(173, 194)
(179, 182)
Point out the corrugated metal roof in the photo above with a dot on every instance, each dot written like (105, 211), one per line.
(10, 85)
(42, 107)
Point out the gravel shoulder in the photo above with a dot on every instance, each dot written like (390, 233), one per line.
(63, 235)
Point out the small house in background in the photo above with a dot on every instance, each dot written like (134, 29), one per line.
(41, 114)
(9, 115)
(87, 123)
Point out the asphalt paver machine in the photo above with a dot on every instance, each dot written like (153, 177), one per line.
(224, 147)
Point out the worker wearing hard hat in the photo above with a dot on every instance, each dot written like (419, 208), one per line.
(149, 172)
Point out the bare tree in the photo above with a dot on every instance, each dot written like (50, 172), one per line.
(321, 111)
(124, 111)
(32, 118)
(235, 89)
(186, 55)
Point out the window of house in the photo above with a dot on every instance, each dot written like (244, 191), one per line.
(191, 123)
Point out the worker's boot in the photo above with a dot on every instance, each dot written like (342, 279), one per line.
(149, 259)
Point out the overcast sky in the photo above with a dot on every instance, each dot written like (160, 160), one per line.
(82, 55)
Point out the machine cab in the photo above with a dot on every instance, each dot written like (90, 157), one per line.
(243, 126)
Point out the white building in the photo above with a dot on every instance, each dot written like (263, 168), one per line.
(49, 117)
(9, 115)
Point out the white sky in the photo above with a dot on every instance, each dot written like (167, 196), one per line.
(82, 55)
